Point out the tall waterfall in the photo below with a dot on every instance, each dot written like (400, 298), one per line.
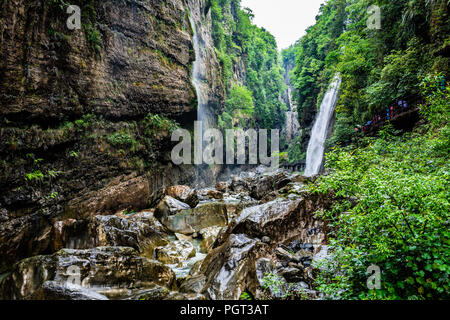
(316, 148)
(199, 74)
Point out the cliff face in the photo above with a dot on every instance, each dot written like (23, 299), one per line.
(129, 58)
(86, 114)
(292, 127)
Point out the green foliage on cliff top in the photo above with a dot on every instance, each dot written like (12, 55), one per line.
(392, 211)
(236, 39)
(378, 66)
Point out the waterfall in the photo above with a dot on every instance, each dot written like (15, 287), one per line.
(292, 126)
(316, 148)
(199, 68)
(204, 80)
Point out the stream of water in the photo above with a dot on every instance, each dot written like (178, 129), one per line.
(319, 133)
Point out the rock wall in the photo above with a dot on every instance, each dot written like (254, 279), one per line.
(85, 115)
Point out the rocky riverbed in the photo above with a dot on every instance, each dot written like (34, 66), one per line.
(211, 243)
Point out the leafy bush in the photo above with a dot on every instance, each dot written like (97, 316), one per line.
(277, 286)
(155, 124)
(436, 108)
(121, 139)
(36, 175)
(393, 212)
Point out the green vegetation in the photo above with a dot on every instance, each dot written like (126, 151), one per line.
(378, 67)
(392, 191)
(239, 105)
(156, 126)
(238, 41)
(246, 296)
(121, 139)
(36, 175)
(276, 284)
(392, 211)
(88, 20)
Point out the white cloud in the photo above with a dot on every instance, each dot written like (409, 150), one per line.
(287, 20)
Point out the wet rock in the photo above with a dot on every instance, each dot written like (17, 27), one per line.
(267, 219)
(303, 254)
(265, 239)
(292, 274)
(222, 187)
(214, 194)
(184, 237)
(193, 284)
(52, 290)
(209, 236)
(141, 231)
(284, 255)
(269, 197)
(184, 194)
(169, 206)
(282, 220)
(298, 245)
(175, 252)
(155, 293)
(227, 266)
(174, 295)
(193, 220)
(22, 236)
(179, 192)
(124, 191)
(97, 267)
(230, 269)
(236, 205)
(239, 185)
(195, 270)
(306, 263)
(192, 199)
(262, 187)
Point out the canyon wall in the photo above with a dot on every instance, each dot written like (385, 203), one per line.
(86, 115)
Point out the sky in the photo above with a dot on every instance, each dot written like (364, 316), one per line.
(287, 20)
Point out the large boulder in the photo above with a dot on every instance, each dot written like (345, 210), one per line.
(184, 194)
(175, 252)
(169, 206)
(222, 186)
(230, 269)
(140, 231)
(92, 268)
(240, 259)
(193, 220)
(263, 186)
(239, 185)
(52, 290)
(209, 236)
(193, 284)
(282, 220)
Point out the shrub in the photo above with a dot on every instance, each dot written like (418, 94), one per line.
(400, 221)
